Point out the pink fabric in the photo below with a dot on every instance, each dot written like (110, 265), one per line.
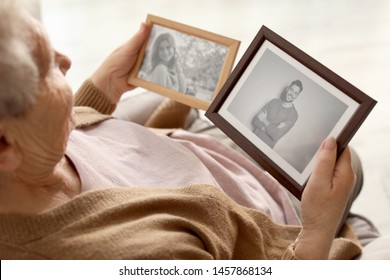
(117, 153)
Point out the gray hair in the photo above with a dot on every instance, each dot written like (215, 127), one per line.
(19, 74)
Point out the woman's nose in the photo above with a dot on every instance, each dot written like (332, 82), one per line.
(64, 62)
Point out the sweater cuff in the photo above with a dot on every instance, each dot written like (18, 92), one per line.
(91, 96)
(289, 254)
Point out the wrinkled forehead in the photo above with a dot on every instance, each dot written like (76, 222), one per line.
(39, 44)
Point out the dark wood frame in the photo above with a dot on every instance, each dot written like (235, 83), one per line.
(230, 43)
(366, 104)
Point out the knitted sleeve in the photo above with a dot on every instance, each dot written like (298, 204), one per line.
(91, 96)
(289, 253)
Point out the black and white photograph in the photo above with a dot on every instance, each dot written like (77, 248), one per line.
(279, 110)
(181, 62)
(289, 112)
(184, 63)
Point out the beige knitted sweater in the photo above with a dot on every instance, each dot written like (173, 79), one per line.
(193, 222)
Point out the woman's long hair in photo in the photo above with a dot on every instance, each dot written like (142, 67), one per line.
(155, 50)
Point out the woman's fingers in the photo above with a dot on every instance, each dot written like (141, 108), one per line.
(322, 175)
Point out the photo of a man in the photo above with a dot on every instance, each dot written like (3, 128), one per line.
(283, 110)
(278, 116)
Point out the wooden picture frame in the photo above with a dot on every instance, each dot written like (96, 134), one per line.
(203, 61)
(328, 106)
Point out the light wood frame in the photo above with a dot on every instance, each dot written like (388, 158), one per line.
(232, 48)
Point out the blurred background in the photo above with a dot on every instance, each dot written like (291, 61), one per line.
(351, 37)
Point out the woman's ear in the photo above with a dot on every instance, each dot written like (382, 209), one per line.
(10, 155)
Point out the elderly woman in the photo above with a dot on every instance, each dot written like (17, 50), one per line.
(111, 189)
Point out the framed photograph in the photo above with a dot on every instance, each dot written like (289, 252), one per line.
(279, 104)
(184, 63)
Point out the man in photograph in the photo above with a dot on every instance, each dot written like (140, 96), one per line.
(278, 116)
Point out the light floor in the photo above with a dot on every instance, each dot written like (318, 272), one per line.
(351, 37)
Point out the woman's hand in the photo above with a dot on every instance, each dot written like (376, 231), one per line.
(324, 201)
(111, 76)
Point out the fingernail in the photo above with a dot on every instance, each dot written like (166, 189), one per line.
(330, 144)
